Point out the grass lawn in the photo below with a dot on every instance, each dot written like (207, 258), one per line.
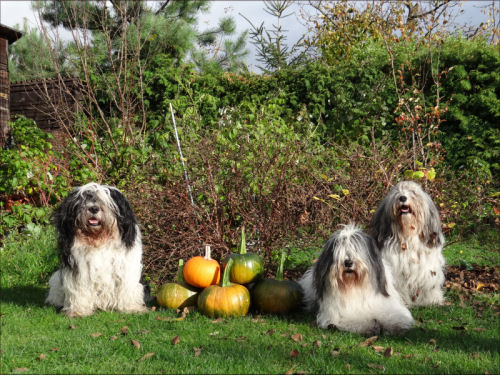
(461, 337)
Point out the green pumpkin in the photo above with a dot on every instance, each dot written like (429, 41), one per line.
(179, 294)
(277, 296)
(247, 267)
(226, 300)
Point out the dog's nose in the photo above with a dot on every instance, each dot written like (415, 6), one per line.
(402, 198)
(94, 209)
(348, 263)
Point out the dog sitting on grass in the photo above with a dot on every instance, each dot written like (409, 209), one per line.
(100, 248)
(407, 228)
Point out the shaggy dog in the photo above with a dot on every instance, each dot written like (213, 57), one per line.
(100, 248)
(407, 229)
(350, 287)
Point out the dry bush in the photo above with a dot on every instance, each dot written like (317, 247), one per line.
(300, 203)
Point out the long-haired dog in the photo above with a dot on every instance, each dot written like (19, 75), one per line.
(100, 249)
(350, 287)
(407, 229)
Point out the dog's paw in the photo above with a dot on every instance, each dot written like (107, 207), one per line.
(139, 309)
(76, 314)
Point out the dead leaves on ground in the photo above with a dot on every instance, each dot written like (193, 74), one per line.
(473, 279)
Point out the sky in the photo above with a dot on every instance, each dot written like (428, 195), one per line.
(13, 12)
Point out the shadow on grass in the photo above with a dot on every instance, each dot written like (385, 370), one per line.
(465, 340)
(25, 295)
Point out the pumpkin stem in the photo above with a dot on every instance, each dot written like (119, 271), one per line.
(227, 272)
(208, 252)
(243, 245)
(279, 273)
(180, 277)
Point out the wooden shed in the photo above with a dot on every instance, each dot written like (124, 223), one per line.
(7, 36)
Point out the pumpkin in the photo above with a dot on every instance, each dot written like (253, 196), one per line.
(247, 267)
(277, 296)
(226, 300)
(202, 271)
(179, 294)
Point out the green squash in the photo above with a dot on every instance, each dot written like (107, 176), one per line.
(247, 267)
(277, 296)
(179, 294)
(226, 300)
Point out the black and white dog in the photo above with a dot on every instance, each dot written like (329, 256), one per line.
(351, 287)
(100, 249)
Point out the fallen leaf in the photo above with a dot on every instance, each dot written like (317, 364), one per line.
(291, 371)
(175, 340)
(334, 352)
(136, 343)
(368, 341)
(124, 330)
(347, 366)
(408, 356)
(20, 369)
(241, 338)
(197, 351)
(143, 332)
(159, 317)
(270, 332)
(479, 329)
(374, 365)
(432, 342)
(146, 356)
(113, 338)
(388, 352)
(72, 327)
(296, 337)
(41, 357)
(96, 334)
(55, 349)
(378, 349)
(317, 344)
(218, 320)
(294, 353)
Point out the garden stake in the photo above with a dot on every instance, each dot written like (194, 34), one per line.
(186, 177)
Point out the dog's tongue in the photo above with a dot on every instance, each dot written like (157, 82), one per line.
(93, 221)
(405, 209)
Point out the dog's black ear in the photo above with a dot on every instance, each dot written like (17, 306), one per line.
(377, 265)
(126, 218)
(323, 266)
(380, 227)
(64, 218)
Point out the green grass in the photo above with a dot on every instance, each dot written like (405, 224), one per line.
(457, 338)
(482, 249)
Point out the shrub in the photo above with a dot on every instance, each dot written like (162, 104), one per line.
(31, 178)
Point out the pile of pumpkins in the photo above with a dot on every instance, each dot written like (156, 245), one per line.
(199, 284)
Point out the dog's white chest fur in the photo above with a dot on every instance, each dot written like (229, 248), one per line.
(417, 269)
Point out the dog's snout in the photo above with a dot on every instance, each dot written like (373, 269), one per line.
(402, 198)
(348, 263)
(94, 209)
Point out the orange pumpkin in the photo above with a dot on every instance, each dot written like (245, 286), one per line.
(202, 271)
